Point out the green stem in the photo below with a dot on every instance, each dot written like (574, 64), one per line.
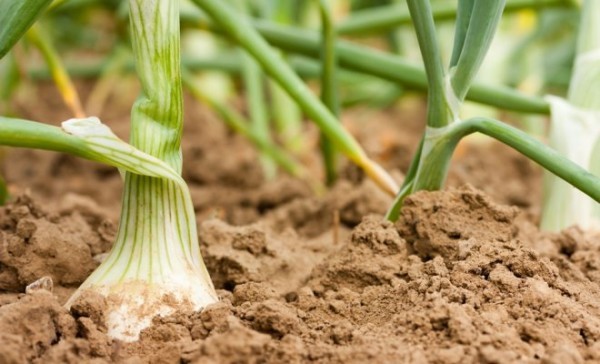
(484, 17)
(383, 18)
(154, 266)
(59, 73)
(226, 62)
(15, 18)
(255, 96)
(99, 146)
(286, 114)
(392, 68)
(29, 134)
(437, 107)
(437, 158)
(463, 17)
(537, 151)
(329, 87)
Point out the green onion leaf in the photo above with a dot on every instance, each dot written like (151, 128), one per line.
(16, 16)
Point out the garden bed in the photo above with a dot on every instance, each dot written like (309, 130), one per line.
(464, 276)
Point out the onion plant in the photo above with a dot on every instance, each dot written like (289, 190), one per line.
(329, 92)
(387, 17)
(476, 24)
(155, 265)
(360, 59)
(575, 130)
(286, 114)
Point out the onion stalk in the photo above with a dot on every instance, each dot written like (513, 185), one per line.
(329, 87)
(575, 130)
(287, 116)
(476, 25)
(15, 18)
(254, 85)
(59, 73)
(155, 265)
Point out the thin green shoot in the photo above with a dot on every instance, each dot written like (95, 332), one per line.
(107, 80)
(430, 164)
(59, 73)
(384, 18)
(329, 87)
(376, 63)
(287, 116)
(256, 104)
(254, 84)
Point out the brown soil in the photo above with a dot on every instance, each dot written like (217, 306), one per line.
(464, 276)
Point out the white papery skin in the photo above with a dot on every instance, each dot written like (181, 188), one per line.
(575, 131)
(575, 134)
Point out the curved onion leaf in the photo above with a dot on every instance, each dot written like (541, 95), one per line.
(16, 16)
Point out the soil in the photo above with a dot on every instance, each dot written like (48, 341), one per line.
(463, 277)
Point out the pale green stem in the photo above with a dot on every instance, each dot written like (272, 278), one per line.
(472, 44)
(59, 73)
(286, 114)
(155, 265)
(575, 130)
(437, 107)
(443, 143)
(256, 103)
(329, 87)
(383, 18)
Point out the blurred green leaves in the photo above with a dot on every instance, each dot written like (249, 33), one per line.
(16, 16)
